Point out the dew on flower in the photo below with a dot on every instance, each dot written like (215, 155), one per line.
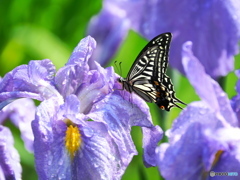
(96, 165)
(62, 176)
(64, 82)
(49, 157)
(203, 111)
(49, 162)
(60, 162)
(53, 176)
(88, 132)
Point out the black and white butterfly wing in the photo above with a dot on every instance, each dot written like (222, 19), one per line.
(152, 61)
(170, 99)
(147, 76)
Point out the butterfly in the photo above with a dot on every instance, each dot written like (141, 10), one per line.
(147, 77)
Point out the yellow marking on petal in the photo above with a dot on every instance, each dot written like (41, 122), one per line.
(205, 174)
(217, 157)
(73, 140)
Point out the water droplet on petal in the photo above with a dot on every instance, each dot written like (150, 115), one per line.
(64, 82)
(111, 157)
(60, 162)
(62, 176)
(49, 157)
(202, 111)
(49, 162)
(96, 165)
(88, 132)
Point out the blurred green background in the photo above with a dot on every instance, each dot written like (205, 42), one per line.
(50, 29)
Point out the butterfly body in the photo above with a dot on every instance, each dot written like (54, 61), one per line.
(147, 77)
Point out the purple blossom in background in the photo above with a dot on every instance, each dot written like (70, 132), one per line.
(21, 112)
(10, 167)
(205, 137)
(82, 127)
(236, 99)
(213, 27)
(109, 34)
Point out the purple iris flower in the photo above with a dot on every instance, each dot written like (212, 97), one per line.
(21, 112)
(82, 127)
(10, 167)
(236, 99)
(213, 27)
(205, 137)
(109, 34)
(91, 153)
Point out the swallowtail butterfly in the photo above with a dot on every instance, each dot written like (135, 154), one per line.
(147, 76)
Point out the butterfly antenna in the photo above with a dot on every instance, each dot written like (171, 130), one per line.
(120, 67)
(115, 64)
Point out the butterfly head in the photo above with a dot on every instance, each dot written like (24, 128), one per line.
(125, 84)
(120, 80)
